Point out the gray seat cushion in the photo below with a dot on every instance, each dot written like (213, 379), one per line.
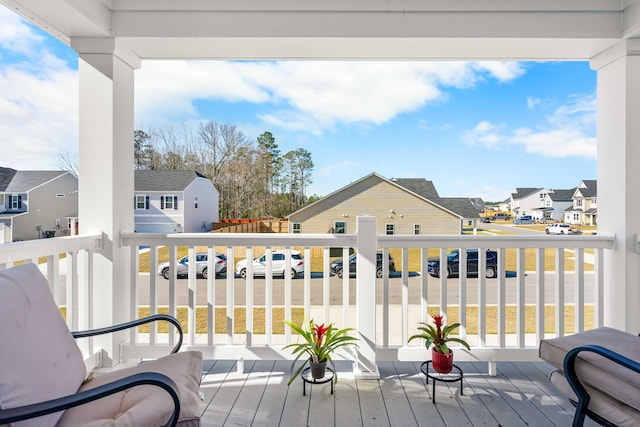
(602, 404)
(144, 405)
(612, 380)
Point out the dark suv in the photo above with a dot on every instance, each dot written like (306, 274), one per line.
(336, 265)
(453, 264)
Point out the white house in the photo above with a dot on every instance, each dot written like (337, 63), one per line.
(169, 201)
(555, 202)
(525, 200)
(36, 204)
(584, 209)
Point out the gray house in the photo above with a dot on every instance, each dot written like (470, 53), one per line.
(36, 204)
(174, 201)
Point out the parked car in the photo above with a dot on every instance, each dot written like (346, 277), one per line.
(202, 268)
(485, 219)
(547, 221)
(337, 268)
(524, 219)
(277, 264)
(561, 229)
(453, 264)
(501, 215)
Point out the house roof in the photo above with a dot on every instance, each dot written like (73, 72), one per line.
(559, 195)
(589, 188)
(6, 175)
(460, 206)
(164, 180)
(463, 206)
(12, 181)
(420, 186)
(524, 192)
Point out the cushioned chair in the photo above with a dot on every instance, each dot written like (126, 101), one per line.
(43, 377)
(599, 371)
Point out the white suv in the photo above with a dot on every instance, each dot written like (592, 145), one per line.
(277, 264)
(558, 228)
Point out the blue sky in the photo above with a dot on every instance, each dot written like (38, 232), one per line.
(477, 129)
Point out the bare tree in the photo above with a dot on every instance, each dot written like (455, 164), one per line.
(68, 162)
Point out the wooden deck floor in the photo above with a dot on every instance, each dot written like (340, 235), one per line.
(520, 395)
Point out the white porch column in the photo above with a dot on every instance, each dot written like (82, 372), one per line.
(367, 246)
(106, 74)
(619, 179)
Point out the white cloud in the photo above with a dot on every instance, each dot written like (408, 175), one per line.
(501, 70)
(569, 132)
(486, 134)
(532, 102)
(557, 143)
(307, 96)
(15, 35)
(38, 109)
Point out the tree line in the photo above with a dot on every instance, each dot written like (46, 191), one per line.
(253, 178)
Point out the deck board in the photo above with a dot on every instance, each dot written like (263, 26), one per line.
(519, 395)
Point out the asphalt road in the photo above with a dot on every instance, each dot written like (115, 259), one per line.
(336, 289)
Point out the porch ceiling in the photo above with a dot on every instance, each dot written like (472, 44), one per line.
(343, 29)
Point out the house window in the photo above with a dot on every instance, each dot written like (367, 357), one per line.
(416, 228)
(16, 201)
(169, 202)
(142, 201)
(297, 228)
(390, 229)
(195, 203)
(576, 217)
(579, 203)
(340, 227)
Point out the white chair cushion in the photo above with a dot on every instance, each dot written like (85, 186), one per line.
(39, 359)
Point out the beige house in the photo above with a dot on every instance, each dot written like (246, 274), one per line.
(585, 204)
(401, 206)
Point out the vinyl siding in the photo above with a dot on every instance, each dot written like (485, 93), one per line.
(376, 197)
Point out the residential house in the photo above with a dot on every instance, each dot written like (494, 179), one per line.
(36, 204)
(401, 206)
(525, 200)
(168, 201)
(584, 209)
(554, 203)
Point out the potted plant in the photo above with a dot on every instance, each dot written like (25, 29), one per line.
(318, 342)
(438, 337)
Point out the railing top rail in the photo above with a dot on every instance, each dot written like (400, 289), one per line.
(238, 239)
(605, 241)
(29, 249)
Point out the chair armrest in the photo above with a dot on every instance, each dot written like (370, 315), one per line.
(20, 413)
(132, 324)
(574, 381)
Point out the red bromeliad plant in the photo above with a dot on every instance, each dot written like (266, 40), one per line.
(439, 336)
(319, 341)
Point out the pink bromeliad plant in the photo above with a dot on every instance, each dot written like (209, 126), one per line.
(317, 344)
(438, 336)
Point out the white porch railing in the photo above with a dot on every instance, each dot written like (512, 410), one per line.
(498, 307)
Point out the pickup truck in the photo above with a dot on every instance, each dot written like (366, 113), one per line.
(561, 229)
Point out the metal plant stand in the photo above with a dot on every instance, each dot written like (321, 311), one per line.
(456, 374)
(329, 376)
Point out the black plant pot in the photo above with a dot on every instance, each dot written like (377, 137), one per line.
(318, 369)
